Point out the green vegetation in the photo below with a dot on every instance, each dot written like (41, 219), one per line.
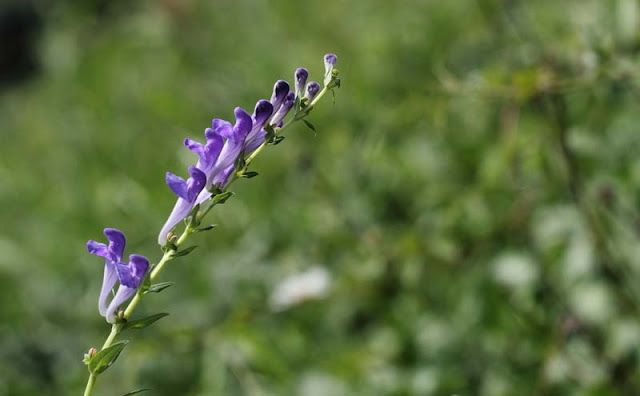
(474, 194)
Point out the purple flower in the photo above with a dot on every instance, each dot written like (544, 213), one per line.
(129, 274)
(301, 80)
(329, 63)
(234, 145)
(187, 192)
(312, 90)
(280, 91)
(261, 114)
(284, 109)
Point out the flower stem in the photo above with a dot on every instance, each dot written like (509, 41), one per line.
(90, 383)
(170, 254)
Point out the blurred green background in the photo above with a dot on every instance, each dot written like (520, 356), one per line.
(473, 195)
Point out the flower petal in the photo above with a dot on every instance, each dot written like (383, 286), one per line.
(108, 282)
(312, 90)
(178, 185)
(179, 212)
(97, 248)
(301, 79)
(117, 242)
(284, 109)
(196, 183)
(280, 91)
(122, 295)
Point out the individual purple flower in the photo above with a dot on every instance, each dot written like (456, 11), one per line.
(284, 109)
(113, 255)
(130, 275)
(280, 91)
(329, 63)
(301, 79)
(187, 192)
(312, 90)
(235, 141)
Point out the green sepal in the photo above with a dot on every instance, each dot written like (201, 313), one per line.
(296, 106)
(142, 323)
(249, 175)
(240, 162)
(206, 228)
(192, 219)
(106, 357)
(277, 140)
(184, 252)
(310, 125)
(146, 282)
(158, 287)
(135, 392)
(221, 198)
(271, 133)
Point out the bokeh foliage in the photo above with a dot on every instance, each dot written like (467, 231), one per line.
(473, 192)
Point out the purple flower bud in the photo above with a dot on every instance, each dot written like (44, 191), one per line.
(329, 63)
(312, 90)
(130, 275)
(284, 109)
(280, 91)
(301, 80)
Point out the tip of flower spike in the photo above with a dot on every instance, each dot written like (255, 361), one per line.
(330, 59)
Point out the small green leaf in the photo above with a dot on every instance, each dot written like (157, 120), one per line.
(158, 287)
(105, 358)
(136, 391)
(249, 175)
(310, 125)
(277, 140)
(206, 228)
(144, 322)
(184, 252)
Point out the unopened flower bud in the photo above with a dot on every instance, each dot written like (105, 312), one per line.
(284, 109)
(312, 90)
(329, 63)
(301, 80)
(280, 91)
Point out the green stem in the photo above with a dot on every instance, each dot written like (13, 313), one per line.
(90, 383)
(169, 254)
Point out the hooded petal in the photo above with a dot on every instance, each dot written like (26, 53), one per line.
(196, 183)
(261, 114)
(117, 242)
(132, 273)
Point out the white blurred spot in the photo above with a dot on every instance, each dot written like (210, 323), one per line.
(295, 289)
